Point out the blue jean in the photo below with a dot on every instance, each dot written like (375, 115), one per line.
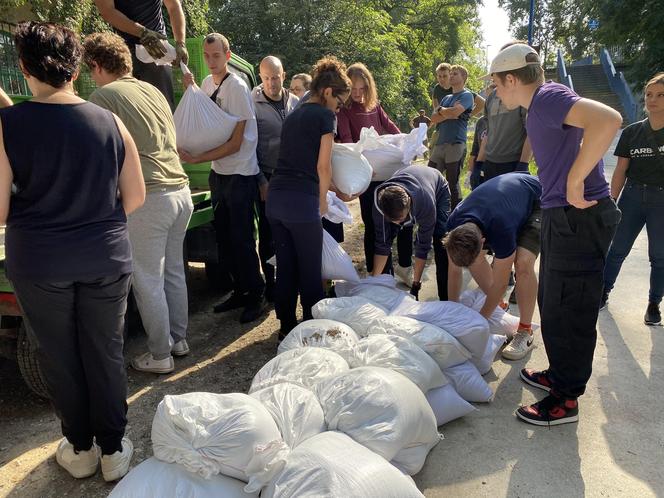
(640, 205)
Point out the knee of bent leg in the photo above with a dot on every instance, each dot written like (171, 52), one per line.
(524, 267)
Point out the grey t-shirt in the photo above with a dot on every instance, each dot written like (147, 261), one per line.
(506, 131)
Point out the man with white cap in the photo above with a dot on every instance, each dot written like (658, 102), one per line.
(569, 135)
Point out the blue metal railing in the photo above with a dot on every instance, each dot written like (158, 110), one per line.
(619, 86)
(563, 75)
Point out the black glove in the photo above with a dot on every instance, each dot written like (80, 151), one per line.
(151, 40)
(415, 290)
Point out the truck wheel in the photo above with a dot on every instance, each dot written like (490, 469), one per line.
(28, 363)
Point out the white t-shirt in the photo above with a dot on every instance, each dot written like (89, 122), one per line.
(234, 97)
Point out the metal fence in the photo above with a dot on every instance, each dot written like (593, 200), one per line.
(11, 78)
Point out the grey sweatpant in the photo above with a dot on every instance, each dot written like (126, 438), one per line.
(156, 233)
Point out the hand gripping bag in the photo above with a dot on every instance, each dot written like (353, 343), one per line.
(468, 382)
(447, 405)
(381, 290)
(356, 312)
(301, 366)
(295, 410)
(500, 322)
(200, 124)
(402, 356)
(321, 333)
(445, 350)
(332, 465)
(143, 55)
(382, 410)
(351, 172)
(156, 479)
(337, 211)
(231, 434)
(336, 263)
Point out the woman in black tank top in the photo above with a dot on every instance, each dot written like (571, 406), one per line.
(75, 174)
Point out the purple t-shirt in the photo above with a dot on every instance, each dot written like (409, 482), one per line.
(556, 145)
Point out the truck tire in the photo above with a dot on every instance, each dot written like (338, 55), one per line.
(28, 363)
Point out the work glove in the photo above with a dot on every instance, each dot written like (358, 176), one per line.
(151, 40)
(415, 290)
(181, 53)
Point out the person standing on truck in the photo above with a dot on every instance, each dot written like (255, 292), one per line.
(142, 22)
(77, 175)
(158, 228)
(233, 182)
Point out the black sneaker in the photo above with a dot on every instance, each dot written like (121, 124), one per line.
(538, 379)
(605, 301)
(552, 410)
(232, 303)
(653, 316)
(253, 310)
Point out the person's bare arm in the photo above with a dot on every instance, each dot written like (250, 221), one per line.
(130, 183)
(619, 177)
(481, 154)
(117, 19)
(501, 275)
(6, 178)
(454, 280)
(478, 105)
(526, 151)
(324, 168)
(379, 264)
(226, 149)
(5, 101)
(600, 124)
(176, 15)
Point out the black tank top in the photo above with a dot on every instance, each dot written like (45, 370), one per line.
(66, 221)
(145, 12)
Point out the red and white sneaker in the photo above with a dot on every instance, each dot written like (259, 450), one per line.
(539, 379)
(552, 410)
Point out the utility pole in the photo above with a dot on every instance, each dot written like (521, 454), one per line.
(531, 21)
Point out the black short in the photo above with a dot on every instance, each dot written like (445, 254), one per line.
(529, 236)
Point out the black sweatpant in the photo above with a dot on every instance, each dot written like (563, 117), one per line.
(234, 199)
(265, 242)
(404, 238)
(159, 76)
(575, 243)
(78, 330)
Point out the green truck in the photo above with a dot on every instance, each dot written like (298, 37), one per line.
(200, 242)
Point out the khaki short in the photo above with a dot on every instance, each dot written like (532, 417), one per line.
(447, 153)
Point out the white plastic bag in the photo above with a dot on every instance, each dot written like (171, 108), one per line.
(336, 263)
(494, 344)
(382, 410)
(447, 405)
(351, 172)
(156, 479)
(356, 312)
(337, 211)
(381, 290)
(231, 434)
(500, 322)
(301, 366)
(321, 333)
(401, 355)
(295, 410)
(441, 346)
(332, 465)
(468, 382)
(143, 55)
(200, 124)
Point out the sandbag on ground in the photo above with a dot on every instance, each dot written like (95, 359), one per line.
(301, 366)
(447, 405)
(382, 410)
(468, 382)
(356, 312)
(156, 479)
(401, 355)
(295, 410)
(436, 342)
(321, 333)
(380, 290)
(500, 322)
(332, 465)
(231, 434)
(493, 345)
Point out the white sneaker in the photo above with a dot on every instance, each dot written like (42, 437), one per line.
(519, 347)
(115, 466)
(180, 348)
(79, 465)
(405, 274)
(146, 363)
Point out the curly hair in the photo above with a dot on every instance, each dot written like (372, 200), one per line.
(361, 72)
(108, 51)
(329, 72)
(49, 52)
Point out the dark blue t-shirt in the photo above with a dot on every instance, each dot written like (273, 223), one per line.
(297, 167)
(499, 207)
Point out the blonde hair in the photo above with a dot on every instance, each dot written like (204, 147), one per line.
(360, 71)
(214, 37)
(443, 66)
(461, 69)
(658, 78)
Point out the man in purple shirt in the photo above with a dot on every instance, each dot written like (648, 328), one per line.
(569, 135)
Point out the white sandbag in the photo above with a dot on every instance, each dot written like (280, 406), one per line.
(437, 343)
(156, 479)
(200, 124)
(493, 345)
(381, 290)
(351, 172)
(337, 211)
(336, 264)
(356, 312)
(321, 333)
(466, 325)
(389, 153)
(447, 405)
(500, 322)
(301, 366)
(468, 382)
(295, 410)
(332, 465)
(401, 355)
(382, 410)
(231, 434)
(170, 55)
